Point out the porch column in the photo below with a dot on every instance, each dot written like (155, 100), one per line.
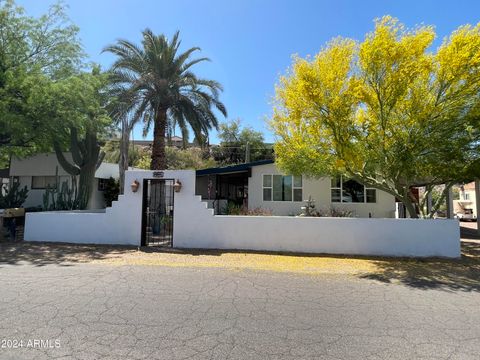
(449, 203)
(477, 203)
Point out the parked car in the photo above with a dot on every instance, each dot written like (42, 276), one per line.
(466, 215)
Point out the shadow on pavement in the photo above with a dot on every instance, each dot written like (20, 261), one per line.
(433, 273)
(452, 275)
(41, 254)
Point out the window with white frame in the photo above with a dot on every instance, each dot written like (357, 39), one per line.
(350, 191)
(102, 184)
(282, 188)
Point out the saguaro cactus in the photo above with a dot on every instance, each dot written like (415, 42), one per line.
(87, 157)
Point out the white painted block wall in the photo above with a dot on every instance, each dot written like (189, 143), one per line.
(195, 226)
(120, 224)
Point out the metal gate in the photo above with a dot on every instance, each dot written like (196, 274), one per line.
(157, 219)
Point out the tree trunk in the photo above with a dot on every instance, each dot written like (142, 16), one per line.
(410, 208)
(407, 201)
(85, 185)
(158, 150)
(123, 162)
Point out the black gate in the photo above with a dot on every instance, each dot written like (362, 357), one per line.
(157, 220)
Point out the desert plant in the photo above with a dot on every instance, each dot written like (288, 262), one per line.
(234, 209)
(61, 196)
(258, 212)
(13, 196)
(112, 189)
(309, 209)
(335, 212)
(87, 157)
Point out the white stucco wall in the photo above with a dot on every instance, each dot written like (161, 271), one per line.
(120, 224)
(320, 191)
(47, 165)
(195, 226)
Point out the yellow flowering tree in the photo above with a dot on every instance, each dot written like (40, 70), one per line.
(386, 112)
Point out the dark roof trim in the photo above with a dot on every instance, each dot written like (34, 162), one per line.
(233, 168)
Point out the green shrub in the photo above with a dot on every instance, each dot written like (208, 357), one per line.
(13, 196)
(233, 209)
(112, 189)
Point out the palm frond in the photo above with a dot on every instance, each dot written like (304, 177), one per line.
(157, 77)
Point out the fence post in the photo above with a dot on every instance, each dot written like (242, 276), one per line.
(477, 203)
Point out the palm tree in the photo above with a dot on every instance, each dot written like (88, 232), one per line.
(161, 89)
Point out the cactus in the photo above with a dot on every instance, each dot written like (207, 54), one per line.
(13, 196)
(87, 157)
(61, 196)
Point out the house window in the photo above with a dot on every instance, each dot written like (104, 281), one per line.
(42, 182)
(102, 184)
(282, 188)
(350, 191)
(466, 196)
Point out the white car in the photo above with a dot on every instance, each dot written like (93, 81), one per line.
(466, 215)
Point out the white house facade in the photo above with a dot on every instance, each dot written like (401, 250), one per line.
(159, 208)
(262, 185)
(39, 171)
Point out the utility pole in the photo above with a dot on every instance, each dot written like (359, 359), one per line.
(247, 152)
(477, 203)
(449, 203)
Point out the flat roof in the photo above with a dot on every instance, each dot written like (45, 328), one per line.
(233, 168)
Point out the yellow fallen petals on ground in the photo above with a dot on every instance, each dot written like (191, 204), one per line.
(463, 273)
(249, 261)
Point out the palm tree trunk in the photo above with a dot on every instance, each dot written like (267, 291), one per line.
(159, 161)
(123, 163)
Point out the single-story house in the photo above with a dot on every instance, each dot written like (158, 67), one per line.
(261, 185)
(39, 171)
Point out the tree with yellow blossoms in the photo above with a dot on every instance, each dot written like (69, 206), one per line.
(387, 112)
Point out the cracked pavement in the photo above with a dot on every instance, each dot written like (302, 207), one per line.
(156, 312)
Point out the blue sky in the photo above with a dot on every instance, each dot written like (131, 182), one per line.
(250, 42)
